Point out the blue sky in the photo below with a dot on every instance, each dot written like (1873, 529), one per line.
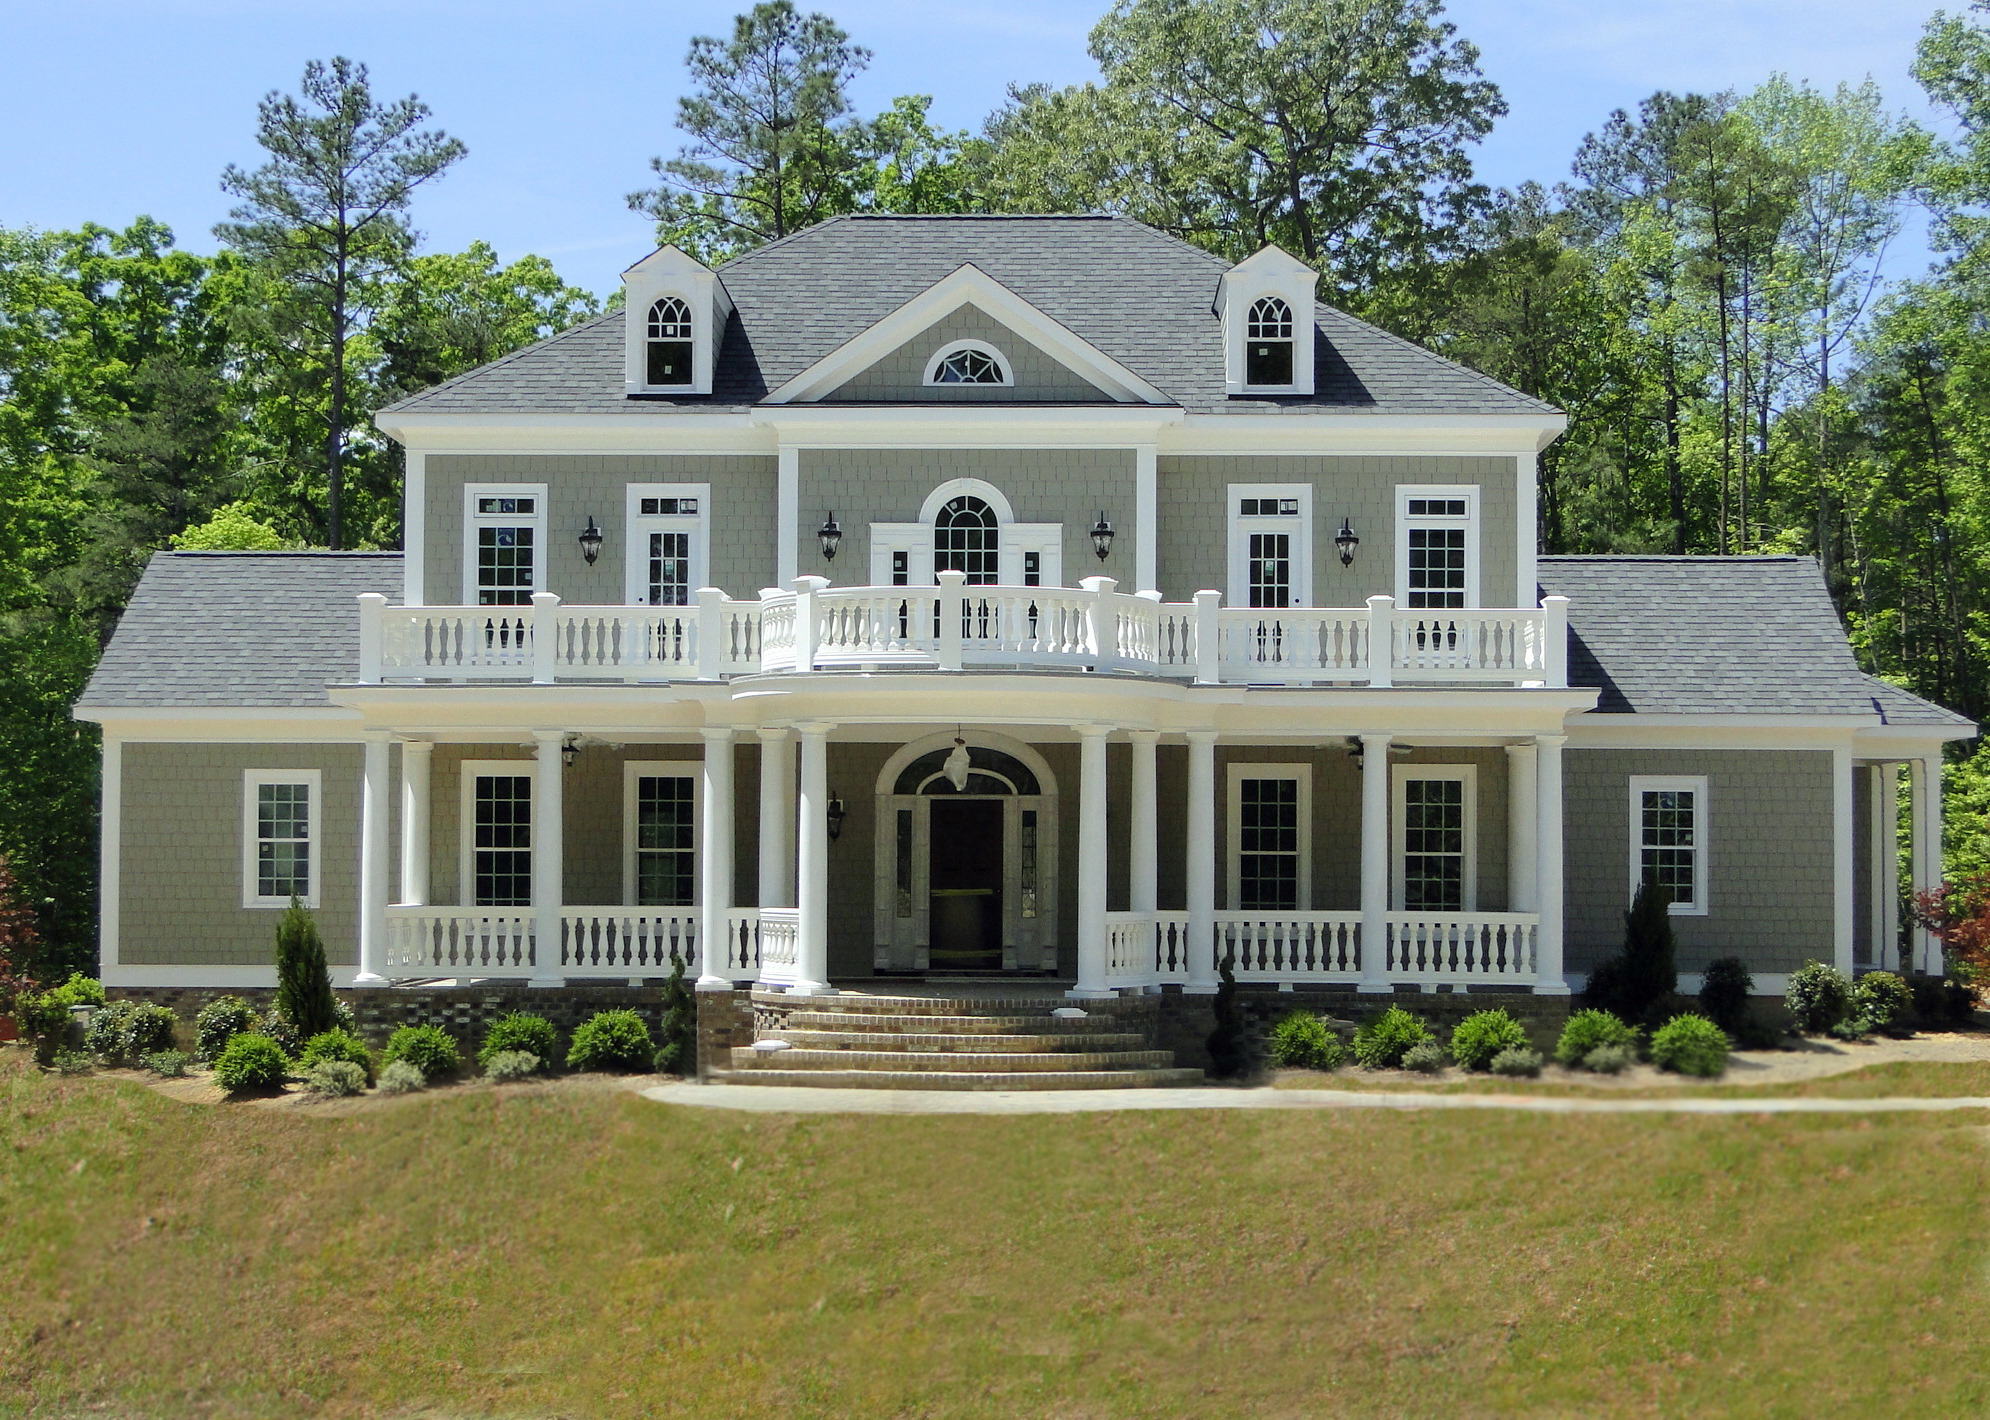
(108, 110)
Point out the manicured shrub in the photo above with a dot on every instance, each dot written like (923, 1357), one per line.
(1883, 1001)
(612, 1040)
(1638, 981)
(219, 1022)
(1516, 1060)
(1818, 996)
(1484, 1034)
(511, 1065)
(508, 1035)
(303, 983)
(80, 990)
(1725, 987)
(73, 1062)
(43, 1019)
(1610, 1059)
(1228, 1045)
(1589, 1031)
(430, 1049)
(1943, 1000)
(1853, 1028)
(124, 1032)
(335, 1078)
(168, 1064)
(1426, 1057)
(1690, 1044)
(272, 1024)
(336, 1044)
(1300, 1040)
(251, 1061)
(401, 1078)
(1381, 1041)
(677, 1032)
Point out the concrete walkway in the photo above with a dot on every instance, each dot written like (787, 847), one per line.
(785, 1099)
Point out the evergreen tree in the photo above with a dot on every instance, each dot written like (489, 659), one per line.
(677, 1035)
(303, 982)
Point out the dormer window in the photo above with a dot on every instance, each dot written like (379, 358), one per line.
(1268, 344)
(670, 342)
(968, 362)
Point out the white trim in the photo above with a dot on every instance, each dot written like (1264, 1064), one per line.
(970, 487)
(787, 517)
(1269, 271)
(1470, 522)
(1299, 527)
(667, 272)
(1696, 784)
(1400, 776)
(238, 977)
(979, 347)
(110, 858)
(414, 527)
(468, 771)
(1146, 518)
(1527, 518)
(638, 526)
(977, 738)
(634, 769)
(314, 830)
(537, 520)
(1238, 771)
(1844, 934)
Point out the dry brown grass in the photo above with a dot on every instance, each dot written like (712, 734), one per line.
(541, 1253)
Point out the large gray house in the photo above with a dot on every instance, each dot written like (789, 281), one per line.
(1032, 596)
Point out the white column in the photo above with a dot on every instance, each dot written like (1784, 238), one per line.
(1092, 862)
(1522, 874)
(1886, 878)
(110, 857)
(373, 860)
(1374, 865)
(1527, 478)
(715, 855)
(787, 515)
(1146, 518)
(1927, 849)
(417, 758)
(1201, 864)
(812, 890)
(1143, 879)
(549, 850)
(414, 526)
(1549, 979)
(777, 819)
(1842, 933)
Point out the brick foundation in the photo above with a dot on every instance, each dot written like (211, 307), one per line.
(725, 1020)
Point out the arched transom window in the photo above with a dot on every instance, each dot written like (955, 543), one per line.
(1268, 343)
(966, 539)
(969, 363)
(990, 771)
(670, 342)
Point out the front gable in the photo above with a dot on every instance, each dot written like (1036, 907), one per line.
(1034, 375)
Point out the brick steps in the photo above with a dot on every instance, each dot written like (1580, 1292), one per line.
(983, 1041)
(928, 1062)
(963, 1080)
(868, 1023)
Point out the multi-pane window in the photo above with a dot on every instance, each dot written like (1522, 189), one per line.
(1268, 808)
(1437, 549)
(670, 343)
(1268, 343)
(280, 837)
(1668, 839)
(501, 840)
(1271, 569)
(1434, 835)
(969, 365)
(665, 839)
(667, 543)
(669, 579)
(965, 539)
(1270, 546)
(506, 537)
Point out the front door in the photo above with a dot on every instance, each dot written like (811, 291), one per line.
(966, 885)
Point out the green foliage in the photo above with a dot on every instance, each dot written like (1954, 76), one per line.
(168, 1064)
(1943, 1000)
(219, 1022)
(337, 1044)
(1228, 1044)
(611, 1040)
(401, 1078)
(335, 1078)
(1818, 996)
(43, 1019)
(80, 990)
(233, 527)
(509, 1065)
(1851, 1028)
(1639, 981)
(1610, 1059)
(510, 1034)
(1691, 1045)
(1484, 1034)
(1425, 1058)
(251, 1061)
(1883, 1001)
(272, 1024)
(73, 1062)
(1725, 987)
(677, 1033)
(303, 981)
(1300, 1040)
(1589, 1031)
(123, 1032)
(1381, 1041)
(1516, 1060)
(429, 1049)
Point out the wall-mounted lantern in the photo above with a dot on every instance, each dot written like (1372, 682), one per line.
(1102, 536)
(835, 814)
(570, 747)
(1345, 542)
(828, 537)
(591, 538)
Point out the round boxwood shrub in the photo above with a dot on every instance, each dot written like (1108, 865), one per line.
(251, 1061)
(335, 1078)
(1516, 1060)
(1484, 1034)
(219, 1022)
(401, 1078)
(508, 1065)
(167, 1064)
(1882, 1000)
(1300, 1040)
(613, 1040)
(517, 1032)
(1382, 1041)
(125, 1032)
(429, 1049)
(1589, 1031)
(1725, 987)
(337, 1044)
(1690, 1044)
(1610, 1059)
(80, 990)
(1425, 1058)
(1818, 996)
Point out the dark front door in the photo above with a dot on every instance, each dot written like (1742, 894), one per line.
(966, 884)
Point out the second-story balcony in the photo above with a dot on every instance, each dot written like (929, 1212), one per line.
(955, 627)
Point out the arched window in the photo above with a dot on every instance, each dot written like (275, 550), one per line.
(670, 342)
(965, 540)
(968, 363)
(990, 771)
(1268, 343)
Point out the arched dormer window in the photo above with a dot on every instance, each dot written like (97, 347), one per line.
(1268, 343)
(670, 343)
(966, 538)
(968, 362)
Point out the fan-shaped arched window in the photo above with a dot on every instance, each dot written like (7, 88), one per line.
(670, 342)
(1268, 343)
(966, 539)
(990, 771)
(968, 363)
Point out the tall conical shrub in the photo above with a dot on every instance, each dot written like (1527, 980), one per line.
(677, 1051)
(303, 981)
(1649, 974)
(1229, 1055)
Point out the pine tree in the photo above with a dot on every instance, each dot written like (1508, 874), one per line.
(677, 1052)
(303, 982)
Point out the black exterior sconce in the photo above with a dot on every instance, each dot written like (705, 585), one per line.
(1345, 541)
(591, 538)
(1102, 536)
(835, 814)
(829, 537)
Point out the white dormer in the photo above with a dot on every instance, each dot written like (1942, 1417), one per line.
(1266, 304)
(675, 314)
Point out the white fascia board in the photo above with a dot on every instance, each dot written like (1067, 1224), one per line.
(967, 284)
(1807, 732)
(967, 426)
(480, 711)
(1342, 431)
(644, 428)
(1910, 740)
(283, 725)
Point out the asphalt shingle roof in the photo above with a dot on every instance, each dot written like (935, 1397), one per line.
(1137, 294)
(1718, 635)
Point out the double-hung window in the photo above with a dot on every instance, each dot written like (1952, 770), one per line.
(1271, 544)
(504, 543)
(1669, 839)
(668, 545)
(1437, 559)
(660, 834)
(1270, 837)
(1436, 843)
(497, 846)
(281, 813)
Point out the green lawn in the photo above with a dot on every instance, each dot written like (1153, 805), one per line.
(555, 1252)
(1945, 1078)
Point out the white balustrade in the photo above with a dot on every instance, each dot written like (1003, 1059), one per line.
(763, 944)
(459, 941)
(1129, 949)
(1467, 645)
(628, 941)
(1291, 644)
(1462, 948)
(1290, 947)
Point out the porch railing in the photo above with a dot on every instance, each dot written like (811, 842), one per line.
(763, 944)
(1293, 948)
(503, 942)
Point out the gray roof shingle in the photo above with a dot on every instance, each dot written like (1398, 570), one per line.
(1137, 294)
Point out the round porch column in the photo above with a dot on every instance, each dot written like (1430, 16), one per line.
(715, 859)
(417, 759)
(1549, 977)
(812, 889)
(548, 855)
(1091, 863)
(1144, 866)
(777, 819)
(1521, 829)
(373, 859)
(1374, 866)
(1202, 980)
(1927, 850)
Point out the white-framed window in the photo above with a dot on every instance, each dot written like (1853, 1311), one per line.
(1436, 833)
(1669, 817)
(660, 833)
(1271, 544)
(282, 812)
(504, 543)
(1437, 547)
(968, 362)
(497, 832)
(1268, 345)
(669, 547)
(668, 343)
(1271, 837)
